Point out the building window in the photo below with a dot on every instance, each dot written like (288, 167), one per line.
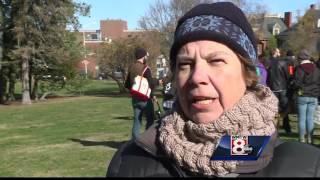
(318, 24)
(276, 29)
(92, 37)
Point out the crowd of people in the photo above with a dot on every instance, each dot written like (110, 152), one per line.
(295, 80)
(220, 86)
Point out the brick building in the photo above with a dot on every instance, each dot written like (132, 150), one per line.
(92, 39)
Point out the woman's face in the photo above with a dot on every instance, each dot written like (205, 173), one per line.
(209, 80)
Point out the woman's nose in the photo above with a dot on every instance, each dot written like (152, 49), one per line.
(199, 74)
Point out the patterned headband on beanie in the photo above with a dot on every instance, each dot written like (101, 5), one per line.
(222, 22)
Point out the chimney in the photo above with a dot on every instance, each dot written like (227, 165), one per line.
(288, 19)
(312, 6)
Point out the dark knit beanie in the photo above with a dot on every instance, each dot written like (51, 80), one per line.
(290, 53)
(222, 22)
(140, 53)
(304, 55)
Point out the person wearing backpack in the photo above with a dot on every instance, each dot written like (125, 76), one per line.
(140, 104)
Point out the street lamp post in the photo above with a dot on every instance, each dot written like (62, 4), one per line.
(85, 62)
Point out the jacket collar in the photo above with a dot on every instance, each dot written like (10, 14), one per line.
(147, 141)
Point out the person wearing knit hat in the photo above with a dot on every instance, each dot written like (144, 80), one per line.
(304, 55)
(140, 53)
(306, 81)
(213, 60)
(140, 105)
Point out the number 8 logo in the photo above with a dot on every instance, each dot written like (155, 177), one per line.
(238, 145)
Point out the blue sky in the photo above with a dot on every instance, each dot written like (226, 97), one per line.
(132, 10)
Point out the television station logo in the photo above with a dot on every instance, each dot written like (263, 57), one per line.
(237, 147)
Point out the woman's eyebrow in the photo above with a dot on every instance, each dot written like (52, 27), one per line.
(214, 54)
(184, 57)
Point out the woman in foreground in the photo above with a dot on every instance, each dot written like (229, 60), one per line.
(213, 60)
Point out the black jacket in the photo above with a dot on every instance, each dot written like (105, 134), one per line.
(278, 75)
(307, 79)
(143, 158)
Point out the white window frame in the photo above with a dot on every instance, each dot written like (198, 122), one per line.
(276, 29)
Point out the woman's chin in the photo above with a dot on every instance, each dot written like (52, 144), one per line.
(205, 118)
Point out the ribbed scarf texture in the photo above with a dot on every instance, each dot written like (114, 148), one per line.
(191, 145)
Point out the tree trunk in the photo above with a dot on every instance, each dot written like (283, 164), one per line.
(1, 72)
(121, 87)
(3, 86)
(12, 82)
(34, 85)
(44, 95)
(1, 48)
(25, 82)
(31, 81)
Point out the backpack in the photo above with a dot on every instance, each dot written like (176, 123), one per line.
(140, 88)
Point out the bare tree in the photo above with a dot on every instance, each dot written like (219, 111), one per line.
(163, 17)
(119, 55)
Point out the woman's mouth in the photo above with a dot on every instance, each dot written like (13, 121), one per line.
(201, 102)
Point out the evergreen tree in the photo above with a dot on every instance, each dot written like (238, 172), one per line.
(304, 35)
(40, 31)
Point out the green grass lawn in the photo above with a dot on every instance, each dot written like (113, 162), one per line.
(69, 137)
(64, 137)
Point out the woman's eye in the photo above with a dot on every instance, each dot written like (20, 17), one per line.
(215, 61)
(184, 65)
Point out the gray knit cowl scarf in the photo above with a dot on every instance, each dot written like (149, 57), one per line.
(191, 145)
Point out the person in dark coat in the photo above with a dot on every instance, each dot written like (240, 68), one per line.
(139, 105)
(278, 80)
(306, 81)
(213, 59)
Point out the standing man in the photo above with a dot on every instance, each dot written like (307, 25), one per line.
(139, 106)
(278, 81)
(292, 64)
